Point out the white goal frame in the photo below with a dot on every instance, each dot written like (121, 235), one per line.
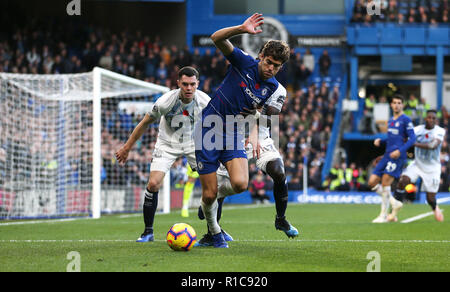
(124, 87)
(96, 128)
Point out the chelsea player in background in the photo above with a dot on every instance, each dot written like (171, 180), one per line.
(249, 83)
(400, 138)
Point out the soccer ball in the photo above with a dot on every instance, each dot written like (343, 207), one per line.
(410, 188)
(181, 236)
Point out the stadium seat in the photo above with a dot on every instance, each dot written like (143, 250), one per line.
(438, 35)
(367, 36)
(392, 36)
(414, 36)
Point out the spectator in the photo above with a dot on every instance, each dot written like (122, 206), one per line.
(257, 190)
(308, 60)
(324, 63)
(302, 74)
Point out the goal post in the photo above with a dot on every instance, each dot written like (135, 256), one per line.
(98, 74)
(51, 148)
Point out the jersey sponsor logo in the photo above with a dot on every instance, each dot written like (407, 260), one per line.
(393, 131)
(254, 97)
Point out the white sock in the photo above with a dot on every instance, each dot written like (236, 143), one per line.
(224, 189)
(210, 212)
(378, 189)
(385, 195)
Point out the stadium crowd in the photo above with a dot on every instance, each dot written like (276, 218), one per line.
(306, 117)
(410, 12)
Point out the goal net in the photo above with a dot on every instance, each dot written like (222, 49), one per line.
(58, 136)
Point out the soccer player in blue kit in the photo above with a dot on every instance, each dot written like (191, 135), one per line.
(249, 83)
(400, 138)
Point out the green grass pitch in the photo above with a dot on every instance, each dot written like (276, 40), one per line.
(332, 238)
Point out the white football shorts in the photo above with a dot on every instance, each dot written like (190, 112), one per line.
(267, 153)
(164, 156)
(430, 180)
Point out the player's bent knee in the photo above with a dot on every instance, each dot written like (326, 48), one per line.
(279, 177)
(153, 185)
(209, 197)
(276, 171)
(240, 186)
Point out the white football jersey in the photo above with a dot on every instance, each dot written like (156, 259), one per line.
(276, 100)
(177, 118)
(428, 159)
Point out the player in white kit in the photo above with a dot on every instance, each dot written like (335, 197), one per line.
(268, 159)
(426, 164)
(177, 111)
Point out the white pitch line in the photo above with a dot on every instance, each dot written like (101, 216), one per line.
(48, 221)
(236, 240)
(418, 217)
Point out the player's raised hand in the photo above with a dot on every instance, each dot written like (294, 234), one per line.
(252, 25)
(122, 155)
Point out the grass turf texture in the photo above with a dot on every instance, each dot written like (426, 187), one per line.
(332, 238)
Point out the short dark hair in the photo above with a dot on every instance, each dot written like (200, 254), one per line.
(276, 49)
(189, 72)
(432, 111)
(398, 96)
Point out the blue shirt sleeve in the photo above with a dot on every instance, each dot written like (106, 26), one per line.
(411, 136)
(240, 59)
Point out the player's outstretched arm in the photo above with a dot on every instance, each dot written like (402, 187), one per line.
(122, 153)
(429, 146)
(251, 25)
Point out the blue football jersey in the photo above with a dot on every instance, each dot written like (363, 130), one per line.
(400, 135)
(241, 88)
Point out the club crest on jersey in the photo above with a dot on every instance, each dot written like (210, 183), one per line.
(264, 91)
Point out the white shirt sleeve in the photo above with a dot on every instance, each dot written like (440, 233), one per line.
(440, 134)
(278, 98)
(163, 105)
